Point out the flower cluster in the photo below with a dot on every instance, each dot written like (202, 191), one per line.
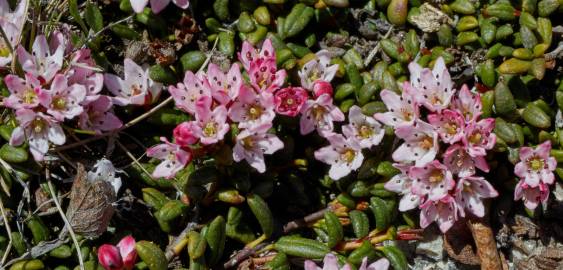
(330, 262)
(54, 90)
(535, 170)
(443, 184)
(120, 257)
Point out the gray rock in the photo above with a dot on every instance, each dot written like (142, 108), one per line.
(431, 245)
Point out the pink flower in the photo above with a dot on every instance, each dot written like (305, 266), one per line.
(63, 100)
(24, 93)
(249, 54)
(98, 116)
(290, 100)
(255, 142)
(435, 87)
(157, 5)
(184, 134)
(536, 166)
(224, 87)
(12, 23)
(402, 109)
(38, 129)
(443, 212)
(532, 196)
(322, 87)
(252, 109)
(136, 88)
(82, 70)
(265, 77)
(330, 262)
(122, 257)
(468, 104)
(420, 146)
(174, 158)
(343, 155)
(127, 251)
(479, 137)
(461, 163)
(449, 125)
(109, 257)
(188, 93)
(43, 63)
(319, 114)
(318, 69)
(210, 125)
(365, 129)
(402, 184)
(469, 194)
(434, 180)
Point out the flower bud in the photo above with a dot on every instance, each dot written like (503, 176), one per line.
(109, 258)
(128, 253)
(322, 87)
(183, 134)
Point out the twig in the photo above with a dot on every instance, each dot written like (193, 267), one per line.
(169, 251)
(63, 216)
(242, 255)
(373, 52)
(47, 202)
(8, 231)
(555, 53)
(302, 222)
(263, 260)
(105, 29)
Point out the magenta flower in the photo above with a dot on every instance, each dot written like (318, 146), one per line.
(469, 194)
(157, 5)
(249, 54)
(434, 180)
(44, 62)
(97, 116)
(174, 158)
(402, 184)
(420, 146)
(136, 88)
(435, 87)
(365, 129)
(187, 94)
(330, 262)
(322, 87)
(343, 155)
(25, 94)
(449, 124)
(184, 134)
(122, 257)
(318, 69)
(460, 162)
(38, 129)
(468, 104)
(251, 109)
(265, 77)
(255, 142)
(532, 196)
(443, 212)
(224, 87)
(403, 109)
(63, 100)
(319, 114)
(536, 166)
(479, 137)
(210, 125)
(290, 100)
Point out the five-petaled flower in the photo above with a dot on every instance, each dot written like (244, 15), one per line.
(318, 69)
(343, 155)
(363, 128)
(320, 114)
(173, 157)
(403, 110)
(136, 88)
(255, 142)
(288, 101)
(435, 87)
(187, 94)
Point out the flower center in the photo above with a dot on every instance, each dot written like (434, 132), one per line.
(365, 131)
(436, 176)
(59, 103)
(348, 155)
(318, 112)
(38, 125)
(435, 100)
(314, 75)
(536, 163)
(467, 187)
(29, 96)
(475, 138)
(450, 128)
(171, 156)
(254, 112)
(426, 143)
(289, 101)
(248, 143)
(210, 129)
(407, 115)
(4, 51)
(135, 89)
